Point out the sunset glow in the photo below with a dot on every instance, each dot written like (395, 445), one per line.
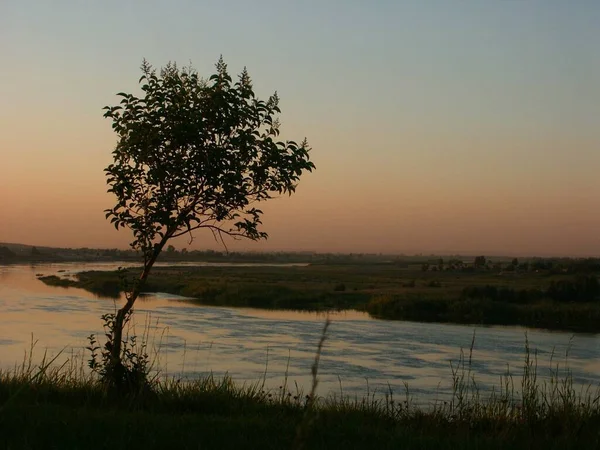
(440, 127)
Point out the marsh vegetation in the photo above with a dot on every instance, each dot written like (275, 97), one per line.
(66, 405)
(562, 298)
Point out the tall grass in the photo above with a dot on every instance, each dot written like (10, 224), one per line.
(518, 398)
(69, 405)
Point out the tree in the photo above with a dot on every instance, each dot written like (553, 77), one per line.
(194, 154)
(455, 264)
(479, 261)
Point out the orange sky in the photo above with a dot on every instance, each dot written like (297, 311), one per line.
(476, 139)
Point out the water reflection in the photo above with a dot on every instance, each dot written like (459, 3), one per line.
(361, 353)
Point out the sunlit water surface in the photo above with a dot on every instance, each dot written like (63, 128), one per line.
(361, 355)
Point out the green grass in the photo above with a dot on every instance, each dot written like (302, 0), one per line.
(385, 291)
(65, 407)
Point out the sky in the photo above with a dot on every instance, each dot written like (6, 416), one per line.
(437, 127)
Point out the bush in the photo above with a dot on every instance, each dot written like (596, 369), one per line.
(581, 289)
(131, 375)
(502, 294)
(340, 287)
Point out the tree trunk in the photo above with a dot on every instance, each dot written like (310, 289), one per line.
(116, 365)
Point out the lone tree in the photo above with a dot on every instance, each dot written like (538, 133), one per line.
(193, 154)
(479, 262)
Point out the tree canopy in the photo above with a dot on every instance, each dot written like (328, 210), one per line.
(192, 154)
(197, 153)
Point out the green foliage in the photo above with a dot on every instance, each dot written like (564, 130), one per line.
(340, 287)
(132, 375)
(582, 289)
(479, 261)
(503, 294)
(195, 153)
(410, 283)
(583, 317)
(192, 154)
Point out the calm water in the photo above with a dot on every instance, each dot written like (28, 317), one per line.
(360, 352)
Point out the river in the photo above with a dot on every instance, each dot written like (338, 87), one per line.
(361, 355)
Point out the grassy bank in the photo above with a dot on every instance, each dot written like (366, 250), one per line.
(584, 317)
(67, 408)
(540, 299)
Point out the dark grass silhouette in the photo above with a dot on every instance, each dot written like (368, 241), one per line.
(66, 407)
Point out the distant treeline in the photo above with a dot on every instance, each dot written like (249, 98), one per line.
(483, 264)
(15, 253)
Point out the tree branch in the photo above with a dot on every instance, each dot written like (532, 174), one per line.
(234, 234)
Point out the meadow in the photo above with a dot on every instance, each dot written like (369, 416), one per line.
(551, 299)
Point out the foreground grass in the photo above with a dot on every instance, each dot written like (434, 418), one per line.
(385, 291)
(67, 408)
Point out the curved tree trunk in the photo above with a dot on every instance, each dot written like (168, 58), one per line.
(116, 364)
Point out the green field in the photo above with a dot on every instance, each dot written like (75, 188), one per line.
(563, 298)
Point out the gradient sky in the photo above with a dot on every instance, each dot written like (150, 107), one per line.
(437, 126)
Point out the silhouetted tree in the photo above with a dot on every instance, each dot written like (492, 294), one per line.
(194, 154)
(479, 261)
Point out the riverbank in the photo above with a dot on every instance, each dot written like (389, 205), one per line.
(66, 408)
(537, 299)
